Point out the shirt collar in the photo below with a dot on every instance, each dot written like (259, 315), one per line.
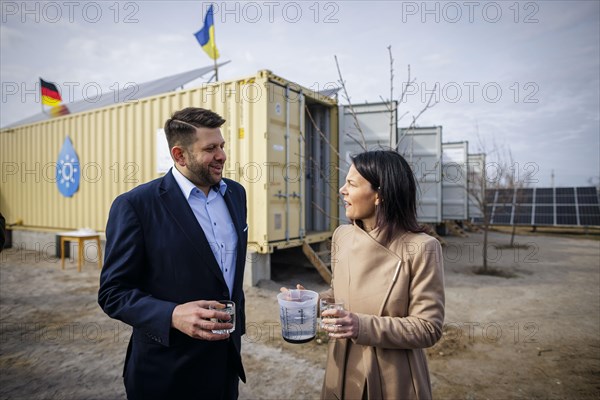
(187, 186)
(221, 188)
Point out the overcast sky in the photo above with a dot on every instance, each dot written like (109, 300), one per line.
(525, 75)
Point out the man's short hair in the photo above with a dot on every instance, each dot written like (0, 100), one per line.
(180, 129)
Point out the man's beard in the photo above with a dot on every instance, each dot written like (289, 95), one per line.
(200, 173)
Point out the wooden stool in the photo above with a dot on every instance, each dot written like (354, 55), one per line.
(80, 237)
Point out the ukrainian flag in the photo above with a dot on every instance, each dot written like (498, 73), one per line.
(206, 35)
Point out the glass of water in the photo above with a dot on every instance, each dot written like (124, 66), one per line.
(330, 304)
(229, 309)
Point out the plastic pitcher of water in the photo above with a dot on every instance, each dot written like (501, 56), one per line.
(298, 314)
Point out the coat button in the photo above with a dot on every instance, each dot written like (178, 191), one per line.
(226, 293)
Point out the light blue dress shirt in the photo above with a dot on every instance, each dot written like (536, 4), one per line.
(212, 214)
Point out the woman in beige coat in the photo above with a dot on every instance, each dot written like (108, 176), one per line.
(390, 276)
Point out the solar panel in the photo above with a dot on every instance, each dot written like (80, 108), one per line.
(545, 191)
(587, 200)
(545, 206)
(505, 196)
(566, 210)
(588, 210)
(566, 220)
(524, 196)
(566, 215)
(544, 215)
(589, 215)
(562, 191)
(587, 195)
(544, 210)
(565, 195)
(501, 220)
(503, 209)
(589, 220)
(502, 214)
(544, 219)
(523, 214)
(544, 196)
(587, 191)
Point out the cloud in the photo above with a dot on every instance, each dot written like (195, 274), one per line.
(554, 61)
(10, 38)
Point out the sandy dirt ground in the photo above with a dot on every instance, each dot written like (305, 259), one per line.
(533, 335)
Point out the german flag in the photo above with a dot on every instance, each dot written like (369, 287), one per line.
(50, 95)
(57, 111)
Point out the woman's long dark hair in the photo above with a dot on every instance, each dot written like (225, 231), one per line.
(392, 178)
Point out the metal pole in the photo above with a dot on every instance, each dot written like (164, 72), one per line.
(214, 46)
(41, 100)
(301, 164)
(287, 163)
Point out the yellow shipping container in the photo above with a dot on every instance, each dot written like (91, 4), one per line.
(281, 140)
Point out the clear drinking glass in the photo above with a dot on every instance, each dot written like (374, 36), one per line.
(330, 304)
(229, 309)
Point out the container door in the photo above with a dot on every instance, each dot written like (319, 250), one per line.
(422, 148)
(379, 131)
(284, 165)
(454, 181)
(320, 171)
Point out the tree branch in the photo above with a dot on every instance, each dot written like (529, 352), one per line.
(350, 106)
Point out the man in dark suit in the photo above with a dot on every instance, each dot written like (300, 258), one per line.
(175, 246)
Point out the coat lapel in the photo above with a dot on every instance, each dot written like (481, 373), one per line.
(371, 270)
(178, 207)
(233, 212)
(237, 223)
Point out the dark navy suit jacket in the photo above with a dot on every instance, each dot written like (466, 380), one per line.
(157, 257)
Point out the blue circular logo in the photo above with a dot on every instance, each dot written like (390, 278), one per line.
(67, 169)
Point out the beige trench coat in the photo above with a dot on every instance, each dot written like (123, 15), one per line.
(398, 295)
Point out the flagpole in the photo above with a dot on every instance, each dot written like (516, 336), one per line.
(216, 71)
(41, 100)
(214, 46)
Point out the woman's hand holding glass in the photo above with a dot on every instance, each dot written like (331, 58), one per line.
(338, 322)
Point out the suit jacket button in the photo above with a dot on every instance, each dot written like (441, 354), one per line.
(226, 293)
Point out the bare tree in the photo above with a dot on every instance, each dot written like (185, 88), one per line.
(490, 176)
(359, 138)
(514, 186)
(390, 104)
(498, 173)
(476, 189)
(346, 96)
(518, 184)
